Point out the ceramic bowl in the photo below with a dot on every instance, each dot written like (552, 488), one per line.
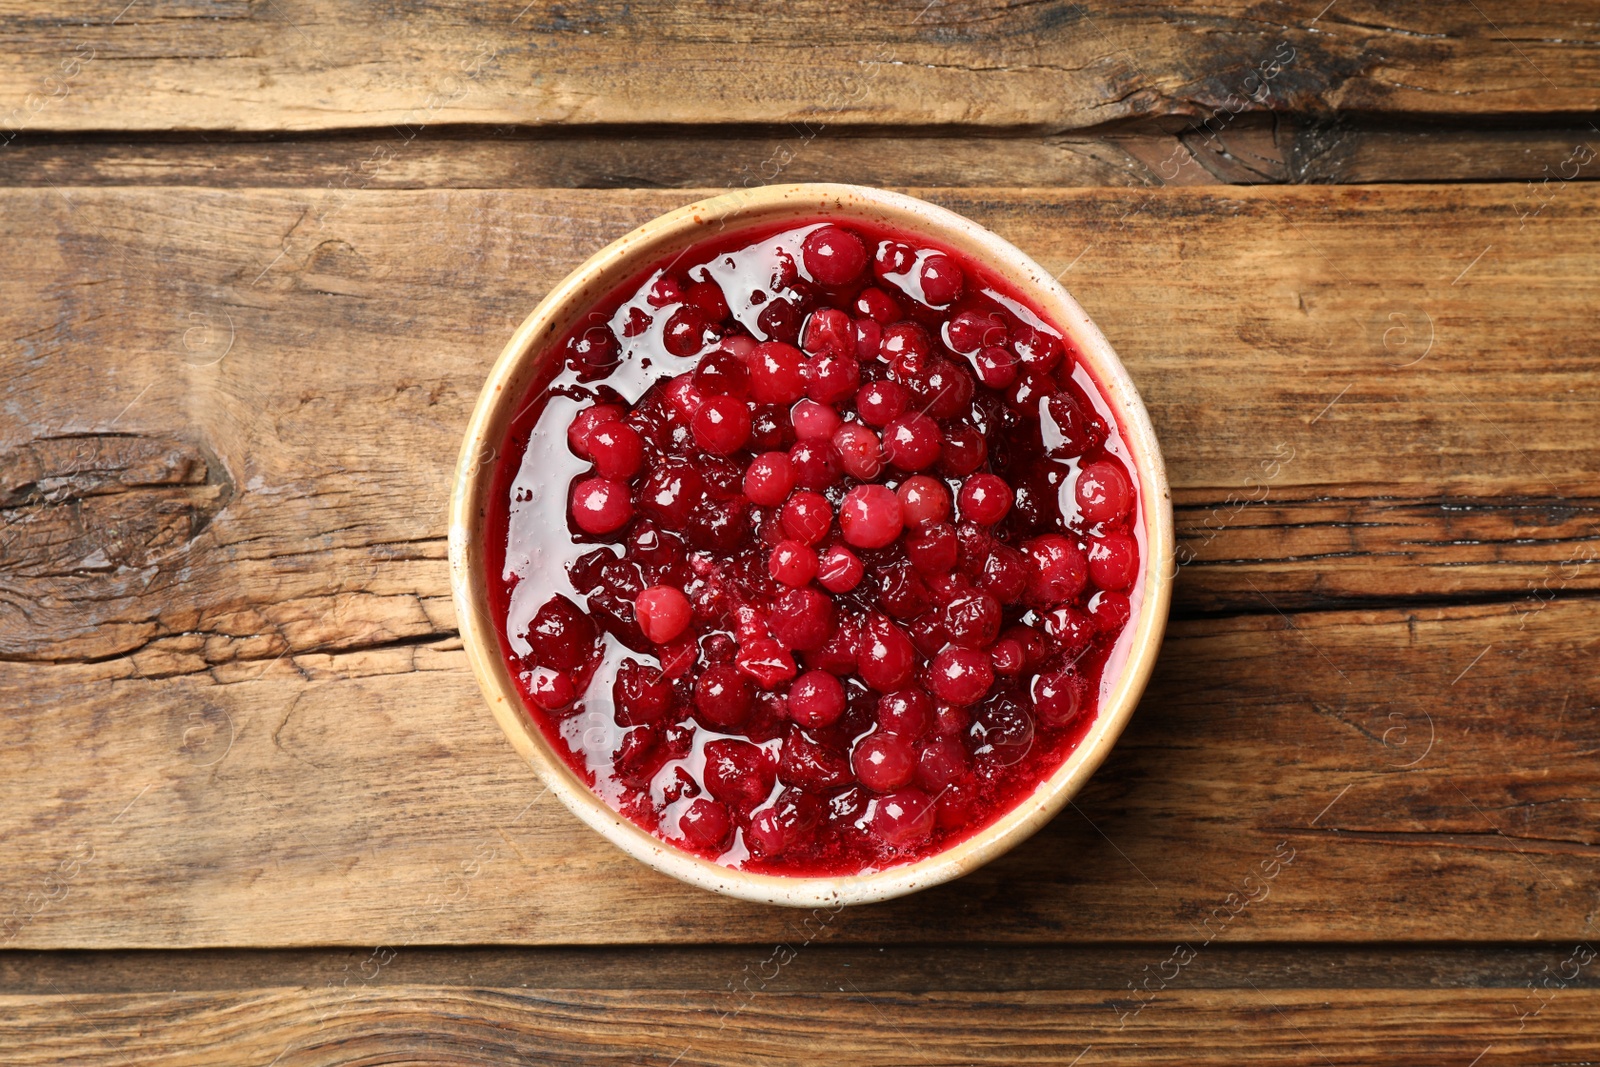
(661, 238)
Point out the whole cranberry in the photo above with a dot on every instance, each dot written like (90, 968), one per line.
(601, 506)
(718, 525)
(1113, 561)
(839, 570)
(813, 421)
(878, 306)
(1008, 657)
(590, 419)
(996, 367)
(550, 689)
(778, 827)
(704, 826)
(964, 451)
(931, 547)
(1067, 429)
(770, 428)
(1001, 733)
(831, 378)
(808, 765)
(721, 373)
(663, 612)
(973, 620)
(806, 517)
(968, 331)
(721, 425)
(1029, 392)
(687, 331)
(780, 320)
(641, 694)
(722, 697)
(769, 479)
(939, 763)
(1072, 630)
(816, 465)
(1038, 351)
(870, 516)
(561, 635)
(802, 619)
(833, 256)
(665, 291)
(1057, 570)
(1004, 574)
(777, 373)
(907, 712)
(593, 353)
(904, 819)
(1103, 492)
(905, 347)
(859, 450)
(1058, 697)
(707, 296)
(816, 699)
(670, 492)
(912, 441)
(923, 500)
(941, 280)
(793, 563)
(868, 336)
(892, 258)
(901, 590)
(1110, 611)
(960, 676)
(883, 762)
(738, 773)
(828, 331)
(886, 657)
(927, 632)
(881, 402)
(984, 499)
(945, 391)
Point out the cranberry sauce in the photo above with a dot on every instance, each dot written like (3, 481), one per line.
(815, 549)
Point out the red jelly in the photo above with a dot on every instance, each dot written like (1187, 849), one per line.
(815, 549)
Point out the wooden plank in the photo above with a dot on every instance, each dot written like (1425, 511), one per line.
(1248, 152)
(294, 1027)
(230, 419)
(1057, 65)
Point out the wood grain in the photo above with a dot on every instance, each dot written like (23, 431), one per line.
(298, 65)
(293, 1027)
(241, 716)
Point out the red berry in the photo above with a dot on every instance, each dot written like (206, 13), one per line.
(770, 428)
(1058, 697)
(973, 620)
(550, 689)
(859, 450)
(722, 697)
(806, 517)
(1103, 492)
(832, 378)
(802, 619)
(777, 373)
(738, 773)
(995, 367)
(839, 570)
(722, 424)
(663, 612)
(905, 347)
(813, 421)
(683, 398)
(769, 479)
(881, 402)
(964, 451)
(670, 492)
(1008, 657)
(839, 653)
(945, 391)
(940, 763)
(941, 280)
(1029, 392)
(641, 694)
(721, 373)
(1113, 561)
(617, 451)
(705, 826)
(883, 762)
(968, 331)
(561, 635)
(586, 422)
(907, 713)
(816, 699)
(1110, 611)
(1067, 429)
(960, 676)
(601, 506)
(707, 296)
(665, 291)
(792, 563)
(766, 661)
(878, 306)
(1004, 574)
(833, 256)
(912, 441)
(816, 465)
(828, 331)
(1057, 570)
(870, 516)
(807, 765)
(1073, 630)
(886, 657)
(1002, 733)
(868, 336)
(1038, 351)
(905, 819)
(985, 499)
(931, 547)
(923, 500)
(893, 257)
(687, 332)
(593, 353)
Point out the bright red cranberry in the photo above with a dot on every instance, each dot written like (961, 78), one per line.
(1057, 570)
(1110, 611)
(905, 819)
(777, 373)
(905, 347)
(984, 499)
(912, 442)
(833, 256)
(802, 619)
(721, 373)
(816, 465)
(617, 451)
(722, 697)
(722, 424)
(964, 451)
(1058, 697)
(793, 563)
(828, 331)
(881, 402)
(683, 398)
(1103, 492)
(601, 506)
(973, 620)
(860, 452)
(769, 479)
(923, 500)
(687, 331)
(1072, 630)
(931, 547)
(996, 367)
(870, 516)
(886, 657)
(738, 773)
(941, 280)
(1038, 351)
(550, 689)
(806, 517)
(907, 713)
(945, 390)
(960, 676)
(926, 631)
(1004, 574)
(839, 570)
(968, 331)
(868, 336)
(893, 257)
(766, 661)
(708, 298)
(813, 421)
(641, 694)
(878, 306)
(670, 492)
(831, 378)
(1067, 429)
(586, 423)
(663, 612)
(1113, 561)
(940, 763)
(705, 826)
(816, 699)
(883, 762)
(774, 830)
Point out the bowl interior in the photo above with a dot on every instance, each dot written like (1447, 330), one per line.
(519, 366)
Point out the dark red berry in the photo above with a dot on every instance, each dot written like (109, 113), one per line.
(833, 256)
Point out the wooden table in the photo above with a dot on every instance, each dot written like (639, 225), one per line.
(258, 259)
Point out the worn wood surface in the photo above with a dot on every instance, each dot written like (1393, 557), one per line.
(226, 607)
